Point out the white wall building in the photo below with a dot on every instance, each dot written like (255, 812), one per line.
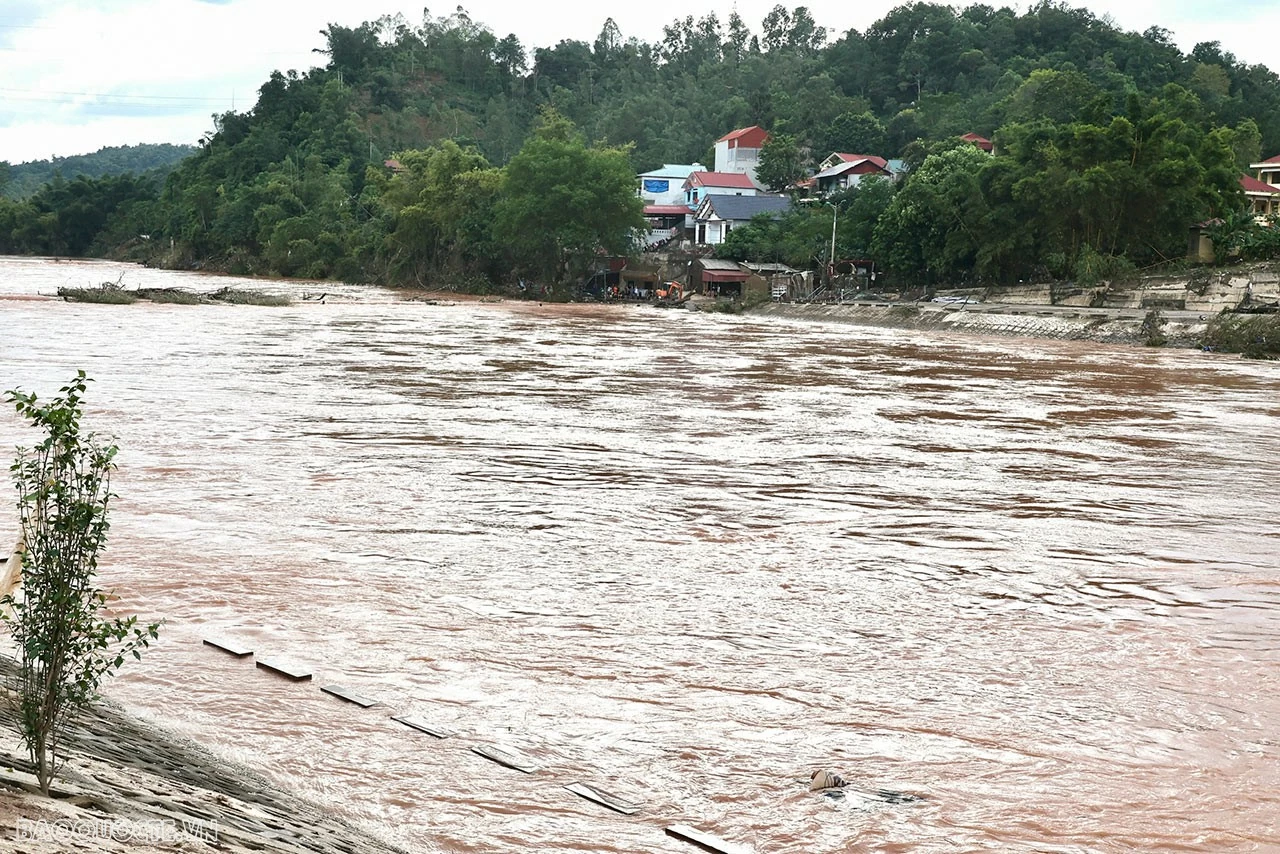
(739, 151)
(665, 186)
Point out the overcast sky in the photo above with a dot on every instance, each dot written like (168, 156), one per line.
(77, 75)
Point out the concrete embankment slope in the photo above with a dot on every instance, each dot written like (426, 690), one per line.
(1111, 312)
(1116, 326)
(129, 787)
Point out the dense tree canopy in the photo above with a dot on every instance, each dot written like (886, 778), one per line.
(1108, 144)
(153, 160)
(562, 201)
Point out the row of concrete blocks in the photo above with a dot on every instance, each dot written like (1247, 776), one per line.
(503, 757)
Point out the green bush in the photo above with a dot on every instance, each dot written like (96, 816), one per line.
(1254, 336)
(66, 644)
(1093, 267)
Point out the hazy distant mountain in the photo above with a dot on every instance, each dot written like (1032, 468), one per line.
(156, 160)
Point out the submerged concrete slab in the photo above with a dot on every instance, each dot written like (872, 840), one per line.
(433, 730)
(347, 694)
(705, 841)
(296, 672)
(235, 648)
(605, 799)
(505, 757)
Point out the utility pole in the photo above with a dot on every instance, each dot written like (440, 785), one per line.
(835, 213)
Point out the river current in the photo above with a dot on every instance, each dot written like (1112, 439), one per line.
(690, 559)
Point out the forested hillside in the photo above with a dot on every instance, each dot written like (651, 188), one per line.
(155, 160)
(1109, 144)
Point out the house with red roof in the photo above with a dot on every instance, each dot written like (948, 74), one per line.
(739, 150)
(1263, 190)
(841, 171)
(981, 141)
(1263, 197)
(1268, 171)
(699, 185)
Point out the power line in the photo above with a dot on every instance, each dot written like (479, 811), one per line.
(104, 97)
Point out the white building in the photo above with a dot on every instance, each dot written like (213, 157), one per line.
(718, 215)
(665, 186)
(739, 151)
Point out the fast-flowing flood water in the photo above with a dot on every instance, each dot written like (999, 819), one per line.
(690, 559)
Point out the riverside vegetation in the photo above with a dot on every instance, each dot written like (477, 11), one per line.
(442, 154)
(66, 646)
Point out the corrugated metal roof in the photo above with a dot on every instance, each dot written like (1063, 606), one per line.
(850, 158)
(674, 170)
(729, 180)
(745, 207)
(850, 165)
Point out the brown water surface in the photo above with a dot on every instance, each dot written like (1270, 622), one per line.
(691, 558)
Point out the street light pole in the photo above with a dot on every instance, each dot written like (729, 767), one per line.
(835, 213)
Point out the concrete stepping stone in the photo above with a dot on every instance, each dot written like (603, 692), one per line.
(508, 758)
(433, 730)
(296, 672)
(350, 696)
(604, 799)
(705, 841)
(235, 648)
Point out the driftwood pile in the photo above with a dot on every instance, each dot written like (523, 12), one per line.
(115, 293)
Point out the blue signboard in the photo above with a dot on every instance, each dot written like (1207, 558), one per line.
(656, 185)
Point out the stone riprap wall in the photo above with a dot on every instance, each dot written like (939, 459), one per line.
(1203, 290)
(1083, 325)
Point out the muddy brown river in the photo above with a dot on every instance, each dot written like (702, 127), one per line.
(690, 558)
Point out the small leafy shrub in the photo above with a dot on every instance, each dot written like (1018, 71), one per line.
(65, 645)
(1254, 336)
(1093, 267)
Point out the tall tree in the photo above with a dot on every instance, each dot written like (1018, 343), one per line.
(563, 202)
(782, 162)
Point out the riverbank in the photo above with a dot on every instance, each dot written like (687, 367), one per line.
(1179, 310)
(131, 787)
(1112, 326)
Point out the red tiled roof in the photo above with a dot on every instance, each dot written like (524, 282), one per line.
(980, 141)
(731, 180)
(849, 158)
(665, 210)
(1275, 159)
(1253, 185)
(754, 130)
